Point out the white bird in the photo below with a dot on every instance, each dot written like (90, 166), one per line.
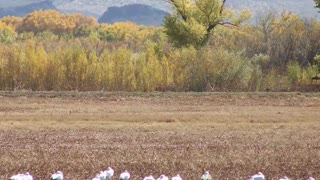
(284, 178)
(125, 175)
(97, 177)
(102, 175)
(109, 173)
(17, 177)
(311, 178)
(25, 176)
(177, 177)
(206, 176)
(57, 176)
(163, 177)
(28, 176)
(258, 176)
(149, 178)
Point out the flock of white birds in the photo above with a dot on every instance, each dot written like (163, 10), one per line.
(109, 172)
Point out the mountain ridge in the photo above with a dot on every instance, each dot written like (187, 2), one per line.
(26, 9)
(137, 13)
(98, 8)
(305, 8)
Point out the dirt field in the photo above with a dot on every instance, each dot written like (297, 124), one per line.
(232, 135)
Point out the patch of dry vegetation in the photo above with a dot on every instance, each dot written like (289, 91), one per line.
(232, 135)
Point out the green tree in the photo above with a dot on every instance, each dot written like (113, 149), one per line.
(193, 21)
(317, 59)
(317, 3)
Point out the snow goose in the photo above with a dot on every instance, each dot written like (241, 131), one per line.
(177, 177)
(206, 176)
(17, 177)
(258, 176)
(125, 175)
(57, 176)
(109, 173)
(102, 175)
(284, 178)
(25, 176)
(163, 177)
(149, 178)
(97, 177)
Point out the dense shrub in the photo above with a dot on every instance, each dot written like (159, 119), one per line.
(77, 53)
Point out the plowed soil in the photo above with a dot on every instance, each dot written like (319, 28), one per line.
(233, 135)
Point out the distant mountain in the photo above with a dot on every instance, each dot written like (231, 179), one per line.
(26, 9)
(16, 3)
(138, 13)
(303, 7)
(97, 8)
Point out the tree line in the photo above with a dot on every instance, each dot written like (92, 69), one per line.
(203, 46)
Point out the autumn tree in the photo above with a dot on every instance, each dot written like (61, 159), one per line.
(13, 21)
(193, 21)
(49, 20)
(7, 33)
(56, 22)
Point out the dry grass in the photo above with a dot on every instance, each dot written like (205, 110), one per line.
(232, 135)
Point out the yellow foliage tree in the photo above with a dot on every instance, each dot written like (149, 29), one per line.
(7, 33)
(13, 21)
(54, 21)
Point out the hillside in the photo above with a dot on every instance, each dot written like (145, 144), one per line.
(305, 8)
(25, 9)
(98, 8)
(138, 13)
(15, 3)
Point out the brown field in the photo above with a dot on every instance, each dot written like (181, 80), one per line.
(232, 135)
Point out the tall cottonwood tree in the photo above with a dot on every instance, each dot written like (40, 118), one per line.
(193, 21)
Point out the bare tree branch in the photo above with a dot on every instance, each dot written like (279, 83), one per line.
(222, 6)
(213, 25)
(227, 23)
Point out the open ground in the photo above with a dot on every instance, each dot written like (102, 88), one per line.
(233, 135)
